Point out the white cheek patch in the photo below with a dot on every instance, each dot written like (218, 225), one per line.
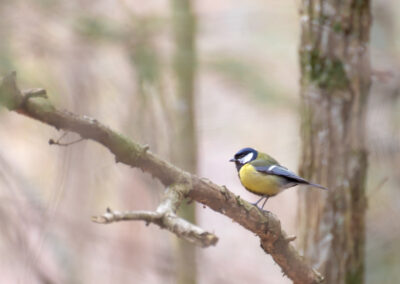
(246, 158)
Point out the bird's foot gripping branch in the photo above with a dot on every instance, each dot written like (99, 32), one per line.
(179, 184)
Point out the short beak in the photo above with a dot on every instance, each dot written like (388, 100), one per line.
(232, 160)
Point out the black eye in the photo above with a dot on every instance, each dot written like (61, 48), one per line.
(240, 155)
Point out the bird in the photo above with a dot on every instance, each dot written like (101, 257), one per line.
(261, 174)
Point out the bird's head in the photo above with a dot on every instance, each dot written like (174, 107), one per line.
(244, 156)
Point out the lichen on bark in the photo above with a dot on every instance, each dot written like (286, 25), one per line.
(335, 81)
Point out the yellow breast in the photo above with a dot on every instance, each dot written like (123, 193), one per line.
(259, 183)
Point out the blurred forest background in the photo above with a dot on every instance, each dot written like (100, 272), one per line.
(114, 61)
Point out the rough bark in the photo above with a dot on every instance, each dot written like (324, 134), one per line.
(335, 82)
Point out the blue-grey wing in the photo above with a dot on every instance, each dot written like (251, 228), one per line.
(282, 172)
(289, 179)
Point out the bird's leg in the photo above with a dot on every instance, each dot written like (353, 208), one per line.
(266, 198)
(256, 203)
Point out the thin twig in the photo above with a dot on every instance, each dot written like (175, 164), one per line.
(64, 144)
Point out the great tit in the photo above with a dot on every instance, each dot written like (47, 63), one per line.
(261, 174)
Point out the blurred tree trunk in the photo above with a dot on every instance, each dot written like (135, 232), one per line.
(6, 63)
(335, 82)
(184, 144)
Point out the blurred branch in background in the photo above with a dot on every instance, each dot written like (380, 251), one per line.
(139, 38)
(383, 257)
(5, 58)
(184, 142)
(22, 217)
(246, 75)
(264, 224)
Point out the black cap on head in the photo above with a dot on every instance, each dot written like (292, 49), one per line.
(243, 152)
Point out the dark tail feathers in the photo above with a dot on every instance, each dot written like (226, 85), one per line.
(317, 185)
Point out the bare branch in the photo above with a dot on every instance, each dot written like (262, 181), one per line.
(112, 216)
(165, 217)
(264, 224)
(167, 220)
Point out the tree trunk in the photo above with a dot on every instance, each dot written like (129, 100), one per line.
(335, 82)
(184, 144)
